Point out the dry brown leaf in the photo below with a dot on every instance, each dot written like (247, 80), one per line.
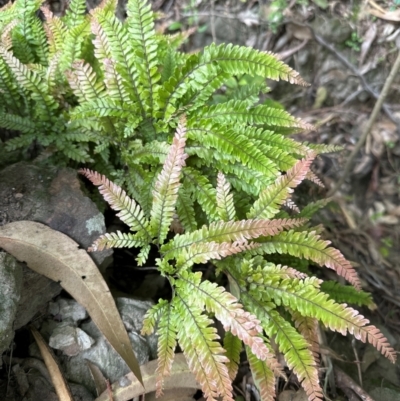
(59, 382)
(99, 380)
(128, 387)
(393, 16)
(59, 258)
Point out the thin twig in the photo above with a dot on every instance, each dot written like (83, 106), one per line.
(346, 382)
(370, 123)
(358, 363)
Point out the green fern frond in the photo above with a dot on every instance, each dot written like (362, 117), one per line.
(319, 148)
(31, 82)
(115, 34)
(202, 191)
(20, 142)
(153, 315)
(228, 141)
(197, 96)
(305, 297)
(256, 269)
(348, 294)
(295, 349)
(308, 328)
(263, 376)
(225, 205)
(278, 141)
(101, 107)
(84, 82)
(15, 122)
(75, 14)
(185, 210)
(167, 333)
(165, 193)
(267, 205)
(233, 347)
(309, 246)
(238, 60)
(155, 151)
(310, 209)
(140, 23)
(236, 111)
(55, 30)
(73, 42)
(168, 64)
(205, 356)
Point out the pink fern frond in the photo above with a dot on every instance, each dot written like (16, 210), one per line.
(166, 188)
(311, 176)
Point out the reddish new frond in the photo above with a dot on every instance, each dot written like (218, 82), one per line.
(270, 200)
(375, 337)
(308, 328)
(308, 245)
(202, 252)
(130, 212)
(167, 185)
(199, 342)
(263, 374)
(230, 313)
(116, 240)
(166, 348)
(289, 203)
(229, 231)
(311, 176)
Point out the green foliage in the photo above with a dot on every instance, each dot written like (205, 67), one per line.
(268, 300)
(210, 174)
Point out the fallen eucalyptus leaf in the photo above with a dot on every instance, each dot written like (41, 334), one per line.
(59, 382)
(100, 381)
(127, 387)
(59, 258)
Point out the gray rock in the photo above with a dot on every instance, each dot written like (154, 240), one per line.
(51, 196)
(132, 313)
(10, 288)
(102, 354)
(70, 339)
(67, 309)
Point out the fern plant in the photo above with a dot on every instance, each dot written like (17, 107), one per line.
(267, 301)
(34, 56)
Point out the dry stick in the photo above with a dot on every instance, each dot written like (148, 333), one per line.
(370, 123)
(344, 381)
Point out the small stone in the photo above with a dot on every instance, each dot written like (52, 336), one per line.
(70, 340)
(67, 309)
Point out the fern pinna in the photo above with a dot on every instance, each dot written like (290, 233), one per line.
(261, 291)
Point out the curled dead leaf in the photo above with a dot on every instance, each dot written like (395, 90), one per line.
(59, 258)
